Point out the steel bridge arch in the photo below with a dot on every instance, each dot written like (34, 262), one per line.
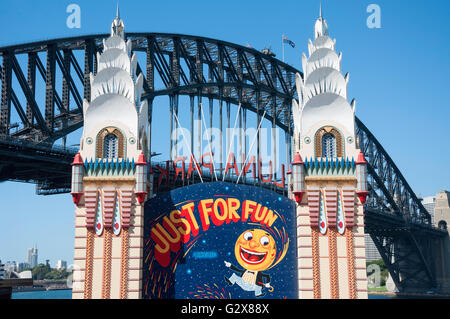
(202, 68)
(184, 64)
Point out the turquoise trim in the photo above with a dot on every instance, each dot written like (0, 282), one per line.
(109, 167)
(328, 166)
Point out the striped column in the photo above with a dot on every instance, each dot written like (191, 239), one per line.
(360, 254)
(109, 194)
(84, 244)
(316, 262)
(89, 264)
(331, 206)
(313, 207)
(90, 198)
(355, 245)
(331, 194)
(132, 245)
(333, 263)
(304, 246)
(348, 195)
(79, 258)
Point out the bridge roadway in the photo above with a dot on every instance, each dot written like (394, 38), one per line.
(46, 166)
(196, 67)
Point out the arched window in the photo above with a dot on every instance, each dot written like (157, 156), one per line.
(328, 145)
(110, 143)
(110, 146)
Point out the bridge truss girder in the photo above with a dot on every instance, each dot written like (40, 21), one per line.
(175, 65)
(396, 219)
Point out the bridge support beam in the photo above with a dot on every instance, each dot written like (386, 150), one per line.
(442, 264)
(31, 80)
(442, 245)
(5, 110)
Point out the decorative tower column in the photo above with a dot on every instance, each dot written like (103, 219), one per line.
(298, 168)
(289, 183)
(109, 183)
(361, 175)
(77, 179)
(330, 216)
(141, 178)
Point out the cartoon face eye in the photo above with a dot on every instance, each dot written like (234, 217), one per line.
(264, 241)
(248, 236)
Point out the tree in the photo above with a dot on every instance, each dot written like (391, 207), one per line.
(42, 271)
(384, 271)
(39, 272)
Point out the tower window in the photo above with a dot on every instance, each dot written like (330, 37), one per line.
(110, 143)
(110, 146)
(328, 145)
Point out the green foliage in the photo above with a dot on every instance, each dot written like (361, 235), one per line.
(56, 274)
(379, 262)
(384, 272)
(42, 271)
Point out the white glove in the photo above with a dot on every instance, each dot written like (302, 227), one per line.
(227, 264)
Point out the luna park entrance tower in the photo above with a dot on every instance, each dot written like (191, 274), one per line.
(109, 177)
(328, 178)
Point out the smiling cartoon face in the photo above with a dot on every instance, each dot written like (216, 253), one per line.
(255, 250)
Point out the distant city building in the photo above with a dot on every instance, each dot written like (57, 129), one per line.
(371, 250)
(429, 203)
(61, 264)
(32, 258)
(2, 270)
(22, 266)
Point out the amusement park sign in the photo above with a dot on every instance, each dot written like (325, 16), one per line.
(205, 165)
(219, 241)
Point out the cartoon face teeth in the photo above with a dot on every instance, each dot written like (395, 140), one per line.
(255, 250)
(252, 257)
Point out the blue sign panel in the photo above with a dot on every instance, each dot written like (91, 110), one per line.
(220, 241)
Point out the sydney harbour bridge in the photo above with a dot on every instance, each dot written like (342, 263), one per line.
(43, 85)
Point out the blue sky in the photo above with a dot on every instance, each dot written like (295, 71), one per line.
(398, 75)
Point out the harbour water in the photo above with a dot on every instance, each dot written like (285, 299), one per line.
(67, 294)
(44, 294)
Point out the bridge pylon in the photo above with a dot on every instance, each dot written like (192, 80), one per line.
(442, 245)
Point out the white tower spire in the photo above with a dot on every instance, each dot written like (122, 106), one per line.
(323, 90)
(321, 27)
(116, 92)
(117, 26)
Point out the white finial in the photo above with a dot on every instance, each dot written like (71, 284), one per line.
(117, 27)
(321, 27)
